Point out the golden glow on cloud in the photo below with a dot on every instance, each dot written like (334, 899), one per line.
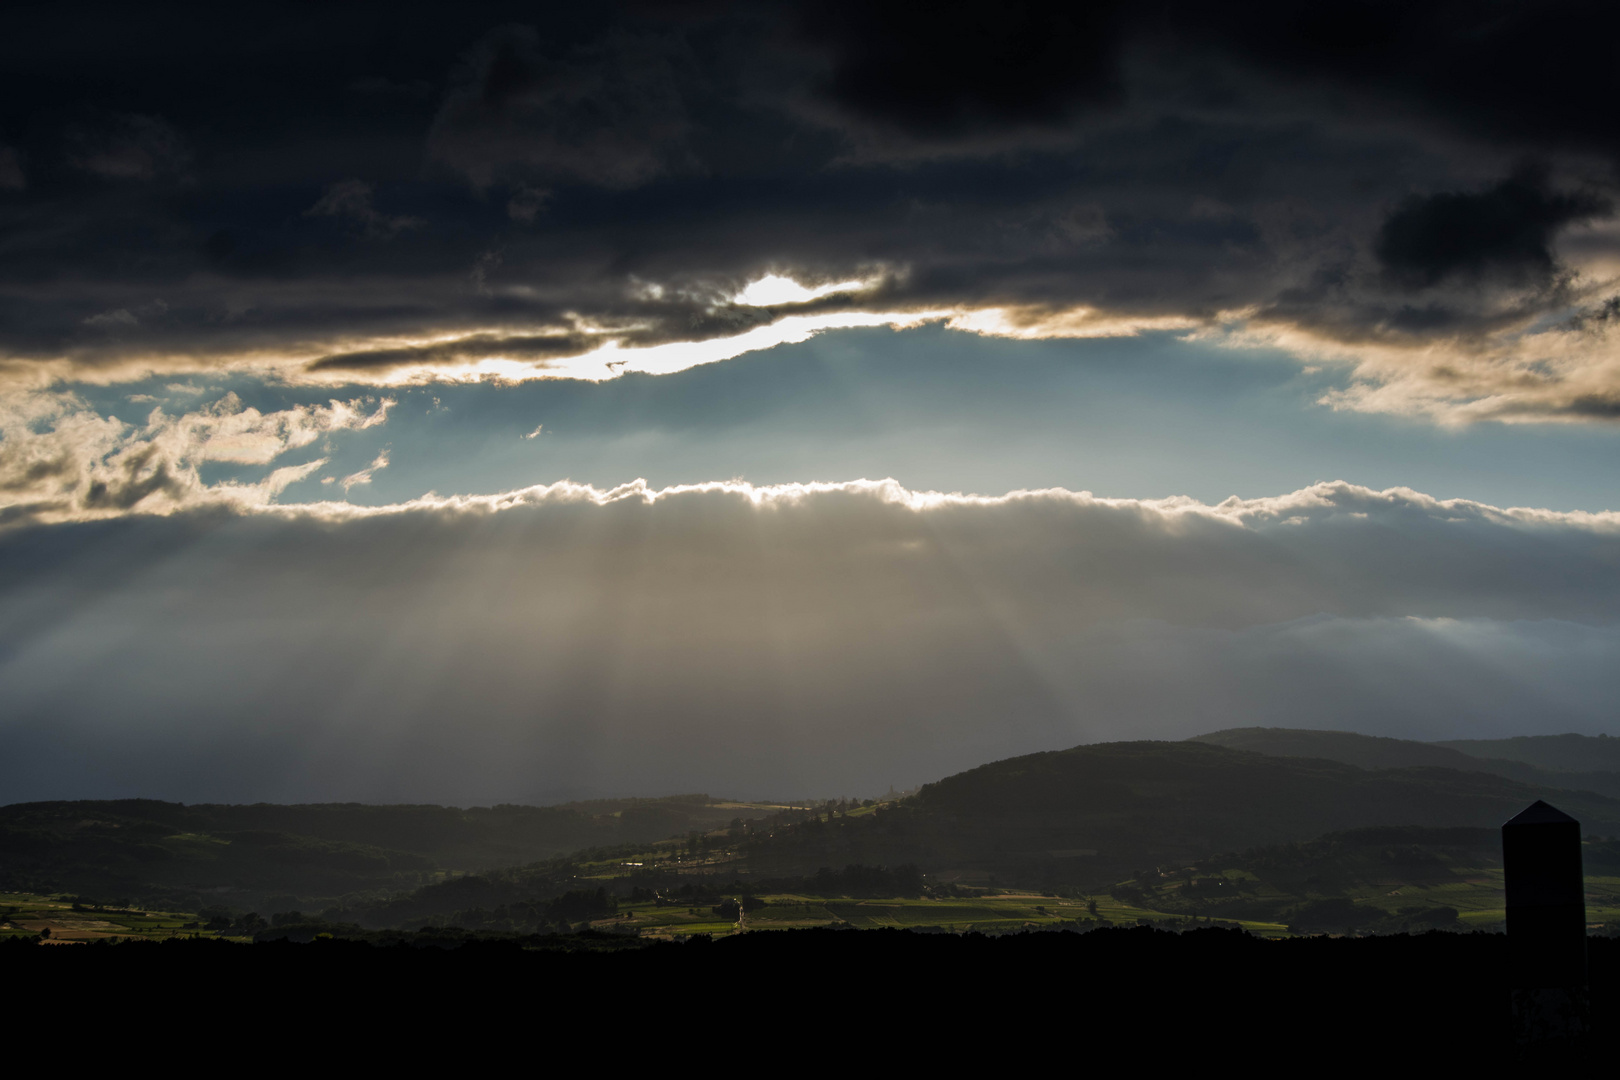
(1335, 499)
(1563, 373)
(1030, 323)
(1563, 368)
(60, 460)
(365, 474)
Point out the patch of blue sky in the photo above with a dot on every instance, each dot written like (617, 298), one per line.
(1142, 417)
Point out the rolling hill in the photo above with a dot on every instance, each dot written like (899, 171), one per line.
(1095, 814)
(247, 854)
(1561, 753)
(1086, 817)
(1565, 762)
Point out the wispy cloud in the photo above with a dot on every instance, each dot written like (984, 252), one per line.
(61, 460)
(364, 475)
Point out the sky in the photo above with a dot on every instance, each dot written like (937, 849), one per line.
(520, 403)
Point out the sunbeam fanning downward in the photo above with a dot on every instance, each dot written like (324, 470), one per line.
(567, 641)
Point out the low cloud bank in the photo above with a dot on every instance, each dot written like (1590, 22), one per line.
(566, 641)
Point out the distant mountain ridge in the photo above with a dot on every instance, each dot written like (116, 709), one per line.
(1094, 813)
(1561, 753)
(1527, 759)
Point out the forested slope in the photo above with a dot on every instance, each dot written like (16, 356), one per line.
(1553, 762)
(1094, 814)
(247, 854)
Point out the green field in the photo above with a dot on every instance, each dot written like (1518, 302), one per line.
(26, 915)
(1476, 895)
(1478, 902)
(997, 914)
(1267, 892)
(1004, 913)
(1263, 899)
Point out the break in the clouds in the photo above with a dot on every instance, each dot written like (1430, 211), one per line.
(1150, 416)
(1421, 194)
(469, 404)
(567, 640)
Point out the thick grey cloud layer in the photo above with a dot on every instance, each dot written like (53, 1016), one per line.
(1422, 191)
(564, 640)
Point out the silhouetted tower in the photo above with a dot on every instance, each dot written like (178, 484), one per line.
(1546, 924)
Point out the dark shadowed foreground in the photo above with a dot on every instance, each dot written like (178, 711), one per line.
(1428, 1001)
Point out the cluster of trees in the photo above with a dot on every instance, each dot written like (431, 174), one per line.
(225, 920)
(733, 907)
(561, 914)
(111, 907)
(1340, 915)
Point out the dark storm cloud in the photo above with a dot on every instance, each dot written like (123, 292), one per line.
(1529, 72)
(128, 148)
(1506, 230)
(629, 168)
(1533, 73)
(802, 639)
(11, 170)
(461, 350)
(350, 200)
(608, 112)
(965, 67)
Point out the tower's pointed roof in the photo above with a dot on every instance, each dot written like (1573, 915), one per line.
(1540, 813)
